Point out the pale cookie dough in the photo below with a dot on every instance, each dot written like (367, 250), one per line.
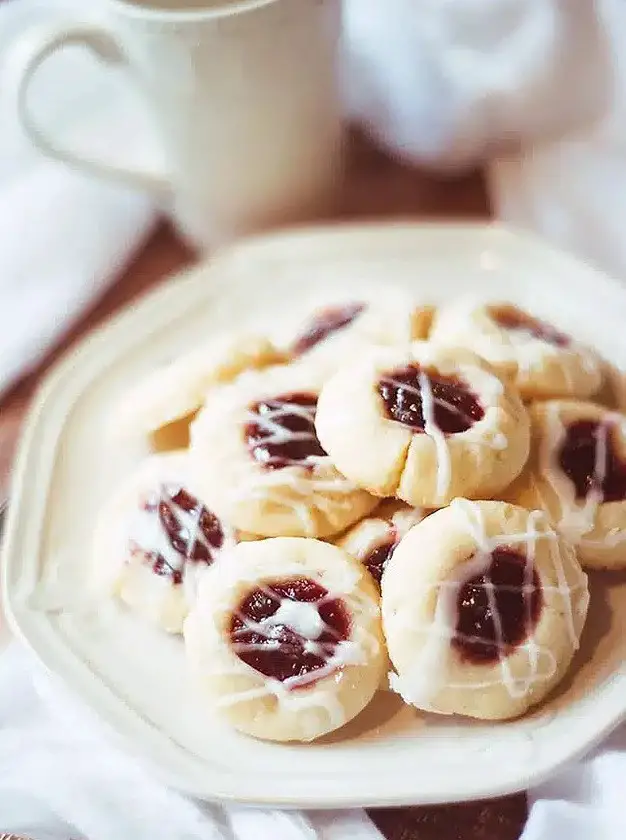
(483, 606)
(344, 328)
(613, 392)
(373, 540)
(424, 424)
(259, 463)
(178, 389)
(155, 541)
(577, 473)
(287, 642)
(541, 361)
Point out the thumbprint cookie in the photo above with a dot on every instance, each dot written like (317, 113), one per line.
(156, 539)
(613, 393)
(488, 620)
(541, 360)
(286, 641)
(258, 460)
(347, 327)
(577, 474)
(424, 424)
(372, 540)
(177, 389)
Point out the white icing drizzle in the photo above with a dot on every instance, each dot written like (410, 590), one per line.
(444, 473)
(307, 487)
(301, 616)
(489, 388)
(338, 656)
(427, 676)
(269, 421)
(576, 519)
(305, 492)
(148, 535)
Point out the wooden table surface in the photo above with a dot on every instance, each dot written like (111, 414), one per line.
(375, 187)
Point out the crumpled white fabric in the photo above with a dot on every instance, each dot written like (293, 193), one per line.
(445, 82)
(64, 237)
(585, 802)
(570, 189)
(60, 777)
(535, 88)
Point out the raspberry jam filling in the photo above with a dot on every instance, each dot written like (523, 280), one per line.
(282, 431)
(412, 394)
(378, 558)
(327, 321)
(515, 320)
(289, 628)
(174, 529)
(498, 610)
(589, 459)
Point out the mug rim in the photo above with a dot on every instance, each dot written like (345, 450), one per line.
(191, 15)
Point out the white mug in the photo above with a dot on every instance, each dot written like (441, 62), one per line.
(244, 97)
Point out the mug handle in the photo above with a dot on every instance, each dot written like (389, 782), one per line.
(36, 47)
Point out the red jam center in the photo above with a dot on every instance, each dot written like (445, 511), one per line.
(378, 558)
(193, 533)
(326, 322)
(588, 458)
(515, 320)
(455, 407)
(282, 433)
(277, 650)
(498, 610)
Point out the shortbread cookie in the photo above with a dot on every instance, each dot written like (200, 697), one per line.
(541, 360)
(155, 540)
(613, 393)
(345, 328)
(286, 641)
(424, 424)
(178, 389)
(577, 473)
(372, 540)
(259, 463)
(483, 606)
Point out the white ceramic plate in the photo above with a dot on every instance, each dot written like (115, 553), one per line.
(134, 677)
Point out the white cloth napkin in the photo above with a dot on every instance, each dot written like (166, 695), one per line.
(444, 82)
(64, 237)
(60, 777)
(537, 88)
(571, 188)
(585, 802)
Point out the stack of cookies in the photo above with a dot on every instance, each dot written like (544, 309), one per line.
(401, 497)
